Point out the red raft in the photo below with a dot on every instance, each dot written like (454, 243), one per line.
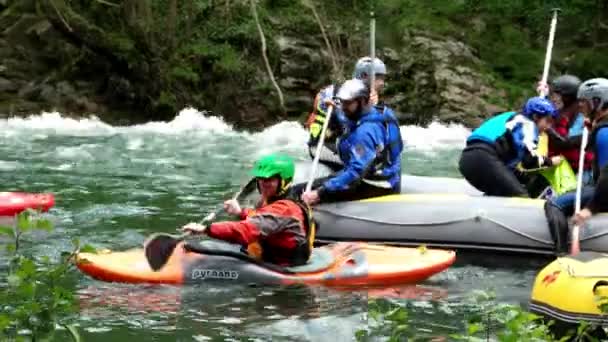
(12, 203)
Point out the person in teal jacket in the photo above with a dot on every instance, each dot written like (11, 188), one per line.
(494, 149)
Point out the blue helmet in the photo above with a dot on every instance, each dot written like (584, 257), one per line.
(539, 106)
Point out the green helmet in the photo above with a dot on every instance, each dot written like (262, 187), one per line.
(274, 164)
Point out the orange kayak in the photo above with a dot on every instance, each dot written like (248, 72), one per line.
(336, 265)
(12, 203)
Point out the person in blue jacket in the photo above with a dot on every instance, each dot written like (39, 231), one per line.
(370, 149)
(493, 150)
(329, 154)
(592, 98)
(593, 103)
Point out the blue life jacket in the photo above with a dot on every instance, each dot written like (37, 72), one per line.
(371, 152)
(577, 126)
(492, 129)
(598, 141)
(513, 136)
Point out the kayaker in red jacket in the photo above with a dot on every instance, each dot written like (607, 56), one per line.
(565, 136)
(280, 230)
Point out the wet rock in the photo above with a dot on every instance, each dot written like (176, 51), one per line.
(48, 94)
(303, 71)
(437, 78)
(65, 89)
(30, 91)
(8, 86)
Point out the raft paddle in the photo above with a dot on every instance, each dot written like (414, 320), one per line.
(549, 51)
(575, 247)
(315, 162)
(160, 246)
(543, 140)
(372, 52)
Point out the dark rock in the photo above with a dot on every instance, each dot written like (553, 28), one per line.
(8, 86)
(30, 91)
(303, 70)
(83, 104)
(48, 94)
(65, 89)
(438, 79)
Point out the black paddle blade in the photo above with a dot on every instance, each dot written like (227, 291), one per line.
(158, 250)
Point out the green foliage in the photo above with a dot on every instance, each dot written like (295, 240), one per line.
(386, 319)
(207, 46)
(510, 36)
(36, 297)
(185, 73)
(486, 320)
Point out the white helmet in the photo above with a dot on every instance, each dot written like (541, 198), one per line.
(363, 67)
(594, 90)
(353, 89)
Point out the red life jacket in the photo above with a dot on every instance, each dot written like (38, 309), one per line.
(561, 125)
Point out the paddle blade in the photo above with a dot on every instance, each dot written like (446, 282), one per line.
(575, 246)
(159, 248)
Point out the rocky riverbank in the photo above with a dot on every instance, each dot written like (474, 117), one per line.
(73, 59)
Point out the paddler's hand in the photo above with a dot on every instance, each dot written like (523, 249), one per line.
(232, 207)
(194, 228)
(542, 86)
(373, 97)
(329, 102)
(556, 160)
(587, 122)
(310, 197)
(581, 217)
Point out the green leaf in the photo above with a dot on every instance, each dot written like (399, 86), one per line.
(185, 73)
(88, 249)
(13, 280)
(65, 255)
(27, 268)
(73, 331)
(76, 242)
(361, 335)
(5, 230)
(43, 224)
(5, 321)
(474, 328)
(23, 221)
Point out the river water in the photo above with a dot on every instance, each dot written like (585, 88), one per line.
(116, 185)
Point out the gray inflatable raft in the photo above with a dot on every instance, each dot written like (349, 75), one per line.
(410, 184)
(450, 213)
(451, 220)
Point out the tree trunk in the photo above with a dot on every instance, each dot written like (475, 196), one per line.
(190, 17)
(268, 68)
(129, 8)
(330, 49)
(597, 22)
(172, 22)
(146, 13)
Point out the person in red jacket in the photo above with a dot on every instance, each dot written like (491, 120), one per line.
(280, 230)
(565, 135)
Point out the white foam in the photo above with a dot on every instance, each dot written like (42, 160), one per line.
(187, 120)
(199, 126)
(9, 165)
(54, 123)
(435, 136)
